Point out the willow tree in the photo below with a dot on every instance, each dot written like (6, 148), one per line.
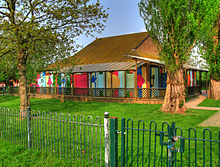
(25, 25)
(175, 26)
(210, 49)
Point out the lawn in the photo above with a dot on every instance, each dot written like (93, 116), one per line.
(145, 112)
(210, 103)
(136, 112)
(16, 156)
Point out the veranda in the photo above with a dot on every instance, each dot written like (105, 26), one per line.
(122, 81)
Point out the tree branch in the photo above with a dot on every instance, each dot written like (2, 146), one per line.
(1, 55)
(5, 14)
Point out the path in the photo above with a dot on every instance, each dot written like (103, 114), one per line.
(214, 120)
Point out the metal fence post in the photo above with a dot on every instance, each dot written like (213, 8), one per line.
(123, 142)
(219, 148)
(106, 130)
(171, 134)
(114, 142)
(29, 126)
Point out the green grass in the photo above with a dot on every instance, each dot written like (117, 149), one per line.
(16, 156)
(136, 112)
(210, 103)
(146, 112)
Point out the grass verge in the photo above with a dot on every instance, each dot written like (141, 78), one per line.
(145, 112)
(15, 156)
(210, 103)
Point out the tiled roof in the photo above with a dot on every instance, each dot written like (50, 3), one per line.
(104, 50)
(113, 54)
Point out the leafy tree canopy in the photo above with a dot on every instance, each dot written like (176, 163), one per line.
(41, 31)
(210, 49)
(177, 25)
(47, 28)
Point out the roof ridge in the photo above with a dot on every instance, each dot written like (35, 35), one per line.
(122, 35)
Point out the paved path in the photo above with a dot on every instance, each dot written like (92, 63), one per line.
(214, 120)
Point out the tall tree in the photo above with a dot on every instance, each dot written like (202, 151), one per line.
(210, 50)
(25, 25)
(175, 26)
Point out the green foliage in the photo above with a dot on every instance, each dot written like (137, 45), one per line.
(210, 49)
(8, 69)
(176, 26)
(45, 31)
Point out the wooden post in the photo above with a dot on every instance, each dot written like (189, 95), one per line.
(148, 75)
(200, 81)
(206, 85)
(159, 76)
(47, 90)
(73, 84)
(105, 76)
(193, 82)
(125, 75)
(111, 85)
(90, 74)
(135, 81)
(193, 78)
(56, 84)
(87, 84)
(196, 76)
(42, 90)
(186, 87)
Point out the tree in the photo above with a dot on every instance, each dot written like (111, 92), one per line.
(210, 50)
(8, 70)
(175, 26)
(45, 29)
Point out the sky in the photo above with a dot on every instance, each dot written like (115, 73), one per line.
(123, 18)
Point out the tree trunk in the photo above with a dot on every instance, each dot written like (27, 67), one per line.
(214, 89)
(174, 101)
(21, 59)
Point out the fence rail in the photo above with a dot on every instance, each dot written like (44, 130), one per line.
(73, 138)
(145, 93)
(163, 145)
(85, 140)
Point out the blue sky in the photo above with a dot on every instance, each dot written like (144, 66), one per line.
(123, 18)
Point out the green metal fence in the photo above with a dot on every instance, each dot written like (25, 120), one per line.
(162, 145)
(76, 139)
(86, 140)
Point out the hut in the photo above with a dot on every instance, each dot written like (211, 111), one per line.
(124, 66)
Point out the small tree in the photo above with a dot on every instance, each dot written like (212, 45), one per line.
(210, 50)
(175, 26)
(32, 30)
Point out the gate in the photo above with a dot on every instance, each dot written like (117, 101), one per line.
(162, 146)
(85, 141)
